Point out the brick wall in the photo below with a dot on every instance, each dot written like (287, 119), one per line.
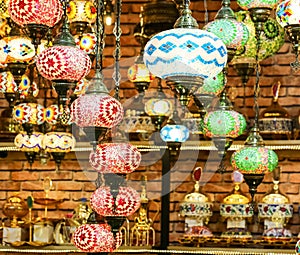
(75, 179)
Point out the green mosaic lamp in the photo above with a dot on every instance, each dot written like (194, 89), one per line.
(232, 32)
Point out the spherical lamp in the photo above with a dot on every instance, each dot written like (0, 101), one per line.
(119, 158)
(94, 238)
(96, 111)
(124, 204)
(222, 123)
(36, 15)
(254, 160)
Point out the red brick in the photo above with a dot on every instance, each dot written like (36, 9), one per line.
(69, 186)
(24, 176)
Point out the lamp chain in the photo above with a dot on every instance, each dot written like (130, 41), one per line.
(257, 87)
(100, 35)
(117, 53)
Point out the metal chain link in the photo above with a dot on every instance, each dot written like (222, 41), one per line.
(117, 52)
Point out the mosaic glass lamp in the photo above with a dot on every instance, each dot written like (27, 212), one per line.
(232, 32)
(288, 16)
(95, 238)
(119, 158)
(174, 133)
(185, 55)
(81, 14)
(36, 16)
(126, 202)
(63, 63)
(254, 160)
(96, 111)
(58, 143)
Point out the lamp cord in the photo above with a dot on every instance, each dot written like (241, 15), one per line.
(117, 52)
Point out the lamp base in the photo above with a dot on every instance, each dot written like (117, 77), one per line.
(244, 70)
(36, 32)
(158, 120)
(253, 181)
(174, 148)
(259, 16)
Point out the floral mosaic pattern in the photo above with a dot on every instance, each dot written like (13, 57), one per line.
(238, 210)
(94, 238)
(195, 209)
(268, 210)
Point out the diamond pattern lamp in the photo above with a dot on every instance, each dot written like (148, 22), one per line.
(185, 55)
(119, 158)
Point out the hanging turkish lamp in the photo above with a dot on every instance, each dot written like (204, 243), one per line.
(64, 64)
(174, 133)
(95, 238)
(29, 144)
(96, 111)
(118, 158)
(81, 15)
(288, 16)
(223, 125)
(58, 143)
(159, 107)
(36, 16)
(233, 33)
(254, 160)
(260, 11)
(185, 55)
(125, 203)
(29, 114)
(16, 52)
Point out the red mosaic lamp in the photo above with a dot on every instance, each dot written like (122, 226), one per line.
(96, 111)
(118, 158)
(64, 64)
(37, 16)
(123, 204)
(95, 238)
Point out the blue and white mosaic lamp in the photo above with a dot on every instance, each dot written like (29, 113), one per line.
(185, 54)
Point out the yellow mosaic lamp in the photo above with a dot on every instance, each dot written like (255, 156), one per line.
(197, 210)
(275, 210)
(236, 208)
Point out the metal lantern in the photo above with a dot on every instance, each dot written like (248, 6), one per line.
(124, 204)
(120, 158)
